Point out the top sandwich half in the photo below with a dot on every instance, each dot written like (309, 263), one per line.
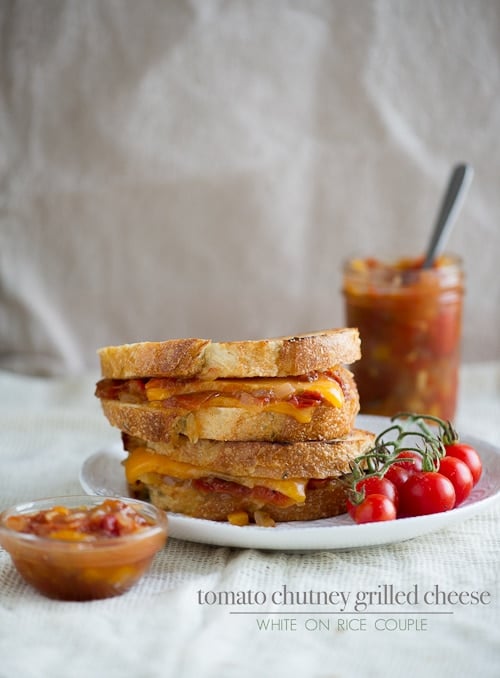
(286, 388)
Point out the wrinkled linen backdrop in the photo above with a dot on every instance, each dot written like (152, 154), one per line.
(203, 168)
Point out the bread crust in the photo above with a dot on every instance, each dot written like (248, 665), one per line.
(278, 461)
(322, 502)
(202, 358)
(175, 358)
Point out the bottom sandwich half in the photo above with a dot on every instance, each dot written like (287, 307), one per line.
(242, 482)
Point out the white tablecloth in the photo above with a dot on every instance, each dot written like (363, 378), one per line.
(47, 429)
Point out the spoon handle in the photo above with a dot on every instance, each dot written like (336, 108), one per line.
(460, 180)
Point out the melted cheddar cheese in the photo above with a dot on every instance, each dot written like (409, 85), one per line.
(278, 387)
(256, 395)
(142, 461)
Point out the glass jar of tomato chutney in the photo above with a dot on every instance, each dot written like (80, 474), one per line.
(409, 319)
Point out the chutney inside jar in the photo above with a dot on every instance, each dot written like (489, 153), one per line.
(409, 319)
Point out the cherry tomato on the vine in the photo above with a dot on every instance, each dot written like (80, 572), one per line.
(374, 485)
(460, 475)
(469, 456)
(426, 492)
(398, 475)
(412, 461)
(374, 508)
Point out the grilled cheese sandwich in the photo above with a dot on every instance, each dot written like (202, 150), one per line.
(216, 430)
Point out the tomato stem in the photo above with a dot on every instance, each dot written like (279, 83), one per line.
(390, 446)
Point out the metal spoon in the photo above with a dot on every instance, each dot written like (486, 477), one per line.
(458, 184)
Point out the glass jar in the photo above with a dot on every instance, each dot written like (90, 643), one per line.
(409, 319)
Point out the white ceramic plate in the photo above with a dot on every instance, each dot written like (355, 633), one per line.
(103, 474)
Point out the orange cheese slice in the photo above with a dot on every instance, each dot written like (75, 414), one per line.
(275, 393)
(278, 388)
(141, 461)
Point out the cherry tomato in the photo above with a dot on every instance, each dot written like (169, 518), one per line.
(374, 485)
(397, 474)
(413, 463)
(460, 475)
(469, 456)
(375, 508)
(426, 492)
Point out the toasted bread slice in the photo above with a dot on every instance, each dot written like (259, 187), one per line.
(204, 359)
(229, 423)
(278, 461)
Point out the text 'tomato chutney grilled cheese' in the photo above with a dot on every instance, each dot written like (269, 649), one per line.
(242, 431)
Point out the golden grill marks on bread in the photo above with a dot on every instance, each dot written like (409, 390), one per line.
(282, 479)
(204, 359)
(316, 407)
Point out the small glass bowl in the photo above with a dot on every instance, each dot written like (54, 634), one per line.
(83, 570)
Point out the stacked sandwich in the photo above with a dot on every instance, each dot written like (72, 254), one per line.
(250, 431)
